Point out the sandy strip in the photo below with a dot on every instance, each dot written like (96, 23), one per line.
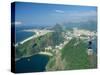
(29, 38)
(46, 53)
(37, 34)
(26, 40)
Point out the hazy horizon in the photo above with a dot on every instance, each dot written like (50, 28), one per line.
(50, 14)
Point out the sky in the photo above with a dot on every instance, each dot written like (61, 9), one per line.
(50, 14)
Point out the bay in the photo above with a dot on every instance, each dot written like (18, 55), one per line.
(35, 63)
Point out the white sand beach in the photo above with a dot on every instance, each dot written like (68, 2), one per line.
(37, 34)
(46, 53)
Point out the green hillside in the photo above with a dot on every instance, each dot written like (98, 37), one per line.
(73, 56)
(38, 44)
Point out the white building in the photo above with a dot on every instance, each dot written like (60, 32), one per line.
(48, 48)
(90, 51)
(58, 47)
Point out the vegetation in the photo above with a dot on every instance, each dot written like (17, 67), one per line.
(75, 55)
(72, 56)
(38, 44)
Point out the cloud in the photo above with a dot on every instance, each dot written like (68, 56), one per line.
(59, 11)
(74, 16)
(17, 23)
(83, 14)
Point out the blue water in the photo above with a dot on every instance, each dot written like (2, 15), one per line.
(22, 35)
(37, 63)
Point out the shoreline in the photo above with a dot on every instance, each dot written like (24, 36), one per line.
(41, 53)
(37, 34)
(22, 42)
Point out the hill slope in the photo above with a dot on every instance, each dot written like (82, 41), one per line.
(72, 56)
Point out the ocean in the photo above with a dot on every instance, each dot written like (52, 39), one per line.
(21, 35)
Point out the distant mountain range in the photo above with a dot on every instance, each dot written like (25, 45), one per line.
(90, 25)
